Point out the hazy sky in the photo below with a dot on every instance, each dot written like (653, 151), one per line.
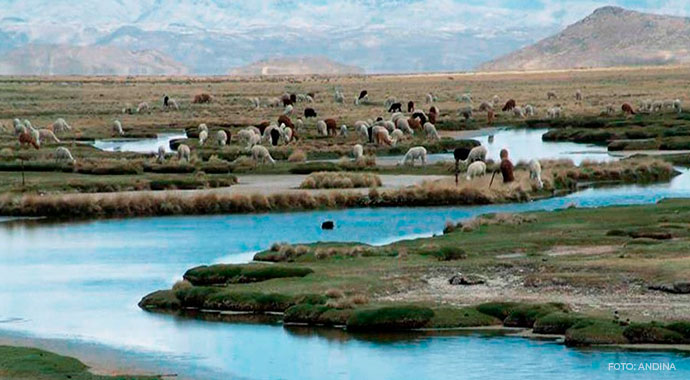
(447, 34)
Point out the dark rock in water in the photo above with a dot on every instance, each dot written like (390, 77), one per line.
(469, 279)
(328, 225)
(675, 288)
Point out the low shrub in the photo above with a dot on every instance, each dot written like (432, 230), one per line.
(450, 253)
(526, 315)
(652, 333)
(449, 317)
(595, 331)
(195, 296)
(340, 180)
(556, 323)
(500, 310)
(297, 155)
(390, 318)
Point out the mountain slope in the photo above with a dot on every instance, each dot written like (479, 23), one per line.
(296, 66)
(611, 36)
(86, 60)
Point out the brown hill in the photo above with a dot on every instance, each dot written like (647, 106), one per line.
(611, 36)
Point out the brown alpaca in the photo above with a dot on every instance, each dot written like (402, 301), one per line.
(201, 98)
(414, 124)
(627, 109)
(284, 119)
(506, 167)
(432, 117)
(490, 117)
(331, 126)
(26, 138)
(510, 104)
(382, 138)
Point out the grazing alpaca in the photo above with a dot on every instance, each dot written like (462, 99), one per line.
(381, 136)
(510, 104)
(578, 95)
(203, 136)
(362, 129)
(143, 107)
(25, 138)
(183, 153)
(535, 172)
(476, 169)
(389, 102)
(282, 119)
(275, 136)
(431, 132)
(677, 106)
(343, 130)
(627, 109)
(489, 117)
(395, 107)
(410, 106)
(518, 112)
(554, 112)
(429, 98)
(389, 125)
(60, 125)
(357, 152)
(495, 100)
(421, 116)
(485, 106)
(414, 153)
(321, 128)
(551, 95)
(202, 127)
(288, 109)
(47, 135)
(221, 138)
(260, 154)
(249, 136)
(117, 128)
(309, 112)
(530, 110)
(478, 153)
(160, 157)
(339, 97)
(19, 127)
(396, 136)
(404, 125)
(414, 124)
(506, 167)
(63, 154)
(331, 127)
(466, 98)
(466, 113)
(202, 98)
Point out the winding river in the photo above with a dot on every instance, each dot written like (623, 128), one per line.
(79, 283)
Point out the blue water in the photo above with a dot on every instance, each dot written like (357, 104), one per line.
(147, 145)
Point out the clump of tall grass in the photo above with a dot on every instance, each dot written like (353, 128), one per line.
(297, 155)
(340, 180)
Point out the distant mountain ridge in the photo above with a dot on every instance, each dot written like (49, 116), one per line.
(86, 60)
(296, 66)
(610, 36)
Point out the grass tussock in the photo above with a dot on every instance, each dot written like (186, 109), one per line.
(220, 274)
(297, 155)
(340, 180)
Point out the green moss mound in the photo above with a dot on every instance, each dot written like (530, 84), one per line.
(526, 315)
(161, 299)
(595, 331)
(449, 317)
(499, 310)
(652, 333)
(221, 274)
(390, 318)
(556, 323)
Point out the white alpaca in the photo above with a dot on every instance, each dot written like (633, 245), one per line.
(202, 127)
(677, 106)
(60, 125)
(530, 110)
(389, 125)
(519, 112)
(288, 109)
(396, 136)
(33, 131)
(221, 138)
(657, 106)
(535, 172)
(429, 98)
(47, 135)
(63, 154)
(203, 136)
(183, 153)
(261, 154)
(466, 98)
(362, 131)
(554, 112)
(143, 107)
(414, 153)
(431, 132)
(19, 127)
(476, 169)
(404, 126)
(256, 102)
(172, 103)
(485, 106)
(496, 100)
(397, 116)
(343, 130)
(160, 157)
(357, 152)
(249, 136)
(299, 125)
(321, 128)
(117, 128)
(389, 102)
(478, 153)
(274, 102)
(286, 133)
(339, 97)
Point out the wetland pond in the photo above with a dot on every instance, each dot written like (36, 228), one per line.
(80, 282)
